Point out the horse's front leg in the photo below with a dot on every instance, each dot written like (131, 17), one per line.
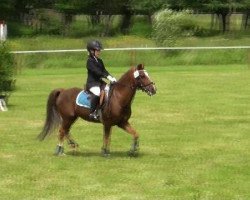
(71, 142)
(106, 140)
(135, 143)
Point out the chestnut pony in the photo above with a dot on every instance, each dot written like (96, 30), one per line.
(62, 110)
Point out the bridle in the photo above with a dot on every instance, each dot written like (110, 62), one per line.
(142, 87)
(139, 85)
(138, 82)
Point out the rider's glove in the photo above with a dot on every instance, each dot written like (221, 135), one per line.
(112, 79)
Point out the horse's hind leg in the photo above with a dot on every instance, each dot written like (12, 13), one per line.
(64, 132)
(135, 144)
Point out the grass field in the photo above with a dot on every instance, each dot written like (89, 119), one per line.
(195, 141)
(125, 58)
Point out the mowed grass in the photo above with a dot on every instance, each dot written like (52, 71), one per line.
(126, 58)
(194, 143)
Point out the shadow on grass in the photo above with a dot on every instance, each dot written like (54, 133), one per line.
(114, 154)
(11, 106)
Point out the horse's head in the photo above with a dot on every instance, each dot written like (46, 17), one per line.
(143, 81)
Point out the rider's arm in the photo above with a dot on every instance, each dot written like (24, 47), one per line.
(108, 75)
(92, 66)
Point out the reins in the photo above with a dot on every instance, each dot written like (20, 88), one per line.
(125, 85)
(137, 86)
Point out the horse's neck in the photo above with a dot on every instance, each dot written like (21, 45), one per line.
(127, 78)
(126, 88)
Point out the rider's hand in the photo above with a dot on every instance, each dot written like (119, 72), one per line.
(112, 79)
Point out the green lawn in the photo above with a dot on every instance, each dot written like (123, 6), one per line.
(125, 58)
(195, 141)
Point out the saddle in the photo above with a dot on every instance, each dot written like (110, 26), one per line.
(84, 97)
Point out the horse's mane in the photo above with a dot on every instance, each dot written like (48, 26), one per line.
(125, 77)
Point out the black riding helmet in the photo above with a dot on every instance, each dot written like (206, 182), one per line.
(94, 45)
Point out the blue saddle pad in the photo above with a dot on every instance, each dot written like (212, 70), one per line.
(83, 99)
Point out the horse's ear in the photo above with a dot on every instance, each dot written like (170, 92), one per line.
(140, 67)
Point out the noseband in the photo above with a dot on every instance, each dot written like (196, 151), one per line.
(139, 84)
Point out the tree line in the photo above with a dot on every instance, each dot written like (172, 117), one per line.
(96, 9)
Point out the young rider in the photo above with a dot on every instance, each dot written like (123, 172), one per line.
(96, 71)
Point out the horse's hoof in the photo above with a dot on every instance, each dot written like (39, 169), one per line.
(73, 144)
(59, 151)
(134, 150)
(105, 153)
(133, 153)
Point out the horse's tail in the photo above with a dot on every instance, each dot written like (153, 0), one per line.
(53, 118)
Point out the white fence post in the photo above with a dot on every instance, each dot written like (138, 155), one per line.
(3, 30)
(3, 106)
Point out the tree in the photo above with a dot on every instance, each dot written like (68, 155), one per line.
(98, 11)
(221, 8)
(7, 69)
(169, 25)
(246, 14)
(6, 7)
(68, 10)
(148, 7)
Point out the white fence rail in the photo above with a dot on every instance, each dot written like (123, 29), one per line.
(129, 49)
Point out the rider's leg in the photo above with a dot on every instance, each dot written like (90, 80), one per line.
(95, 102)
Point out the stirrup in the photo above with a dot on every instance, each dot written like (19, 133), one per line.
(94, 115)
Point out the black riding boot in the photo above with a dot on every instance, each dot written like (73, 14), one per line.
(94, 108)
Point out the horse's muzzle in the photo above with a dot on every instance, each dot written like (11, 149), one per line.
(150, 89)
